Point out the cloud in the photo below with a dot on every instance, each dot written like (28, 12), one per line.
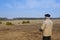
(29, 4)
(37, 4)
(41, 6)
(32, 8)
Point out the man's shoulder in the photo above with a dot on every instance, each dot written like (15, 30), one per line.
(48, 21)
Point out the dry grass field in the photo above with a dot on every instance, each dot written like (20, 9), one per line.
(27, 31)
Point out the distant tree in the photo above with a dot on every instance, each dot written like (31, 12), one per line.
(3, 18)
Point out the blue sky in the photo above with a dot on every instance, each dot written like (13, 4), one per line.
(29, 8)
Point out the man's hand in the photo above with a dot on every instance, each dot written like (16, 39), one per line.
(41, 30)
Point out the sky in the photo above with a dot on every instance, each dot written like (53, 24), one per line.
(29, 8)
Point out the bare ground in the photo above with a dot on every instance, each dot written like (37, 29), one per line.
(26, 32)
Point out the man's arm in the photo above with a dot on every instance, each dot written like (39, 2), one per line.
(43, 26)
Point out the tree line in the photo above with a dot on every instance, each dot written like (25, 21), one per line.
(25, 18)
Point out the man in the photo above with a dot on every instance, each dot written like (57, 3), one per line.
(46, 28)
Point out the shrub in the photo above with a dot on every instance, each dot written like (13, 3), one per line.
(24, 22)
(19, 23)
(0, 22)
(28, 21)
(9, 23)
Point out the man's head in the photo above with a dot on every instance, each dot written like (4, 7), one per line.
(47, 15)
